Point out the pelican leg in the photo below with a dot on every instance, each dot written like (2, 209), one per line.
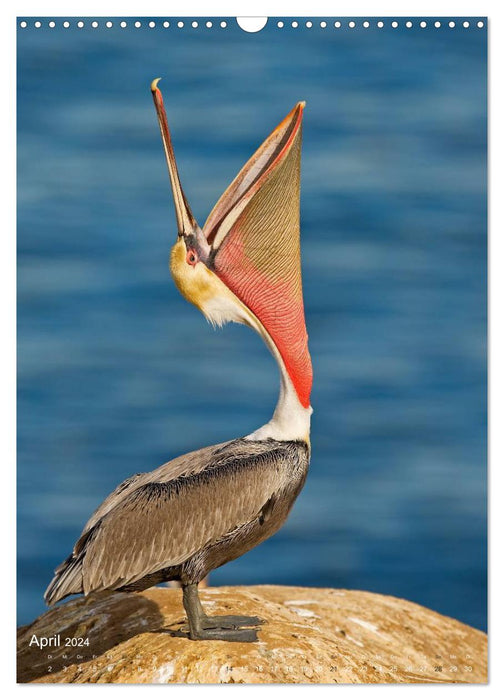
(231, 628)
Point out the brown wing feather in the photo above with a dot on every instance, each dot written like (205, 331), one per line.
(190, 463)
(169, 522)
(162, 518)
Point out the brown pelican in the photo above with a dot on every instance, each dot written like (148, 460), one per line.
(208, 507)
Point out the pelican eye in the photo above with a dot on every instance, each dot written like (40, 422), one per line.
(191, 257)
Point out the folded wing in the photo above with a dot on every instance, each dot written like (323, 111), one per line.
(161, 523)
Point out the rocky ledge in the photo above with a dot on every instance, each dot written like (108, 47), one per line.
(312, 635)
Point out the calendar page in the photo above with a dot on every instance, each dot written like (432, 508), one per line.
(252, 349)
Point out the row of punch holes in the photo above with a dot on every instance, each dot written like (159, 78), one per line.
(254, 26)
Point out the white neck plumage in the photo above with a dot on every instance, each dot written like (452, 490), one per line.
(290, 421)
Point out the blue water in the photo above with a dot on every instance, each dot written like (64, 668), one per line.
(117, 373)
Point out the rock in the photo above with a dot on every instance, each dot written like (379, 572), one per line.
(312, 635)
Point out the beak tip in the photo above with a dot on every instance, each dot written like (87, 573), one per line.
(302, 104)
(154, 84)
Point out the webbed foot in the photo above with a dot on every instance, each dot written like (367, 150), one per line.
(226, 634)
(231, 628)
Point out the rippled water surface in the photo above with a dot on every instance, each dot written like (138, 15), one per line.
(117, 373)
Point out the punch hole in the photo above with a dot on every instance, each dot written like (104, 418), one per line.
(252, 24)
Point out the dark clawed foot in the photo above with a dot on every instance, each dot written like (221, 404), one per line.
(227, 635)
(231, 628)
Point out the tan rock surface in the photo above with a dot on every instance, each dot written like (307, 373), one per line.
(313, 635)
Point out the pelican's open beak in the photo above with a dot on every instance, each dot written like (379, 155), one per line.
(250, 242)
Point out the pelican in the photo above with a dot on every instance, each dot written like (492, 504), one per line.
(203, 509)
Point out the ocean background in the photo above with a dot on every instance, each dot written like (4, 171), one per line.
(118, 374)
